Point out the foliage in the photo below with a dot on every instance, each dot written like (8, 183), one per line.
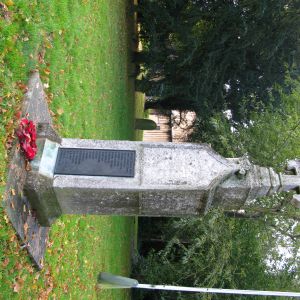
(271, 138)
(210, 55)
(81, 49)
(212, 251)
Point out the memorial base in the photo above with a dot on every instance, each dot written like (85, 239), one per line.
(33, 236)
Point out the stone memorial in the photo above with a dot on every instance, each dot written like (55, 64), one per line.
(146, 179)
(77, 176)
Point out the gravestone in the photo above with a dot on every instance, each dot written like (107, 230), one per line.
(81, 176)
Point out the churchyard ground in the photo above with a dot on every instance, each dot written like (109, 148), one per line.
(82, 51)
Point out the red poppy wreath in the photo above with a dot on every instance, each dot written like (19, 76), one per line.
(27, 138)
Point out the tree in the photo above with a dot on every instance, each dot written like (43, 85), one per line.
(222, 252)
(208, 55)
(270, 138)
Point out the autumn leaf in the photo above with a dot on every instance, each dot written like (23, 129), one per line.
(30, 269)
(6, 219)
(12, 238)
(18, 266)
(18, 115)
(65, 288)
(25, 227)
(9, 2)
(60, 111)
(23, 87)
(12, 205)
(5, 262)
(47, 71)
(17, 286)
(41, 56)
(13, 192)
(42, 262)
(27, 166)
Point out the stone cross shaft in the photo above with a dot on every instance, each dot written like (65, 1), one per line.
(79, 176)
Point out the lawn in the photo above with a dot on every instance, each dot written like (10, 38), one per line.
(82, 50)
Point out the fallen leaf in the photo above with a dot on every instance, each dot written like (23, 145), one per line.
(16, 287)
(18, 115)
(25, 227)
(6, 219)
(18, 266)
(41, 56)
(27, 165)
(37, 276)
(5, 262)
(42, 262)
(65, 288)
(23, 87)
(12, 205)
(13, 192)
(60, 111)
(9, 2)
(47, 71)
(48, 45)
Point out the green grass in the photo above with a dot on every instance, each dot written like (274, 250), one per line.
(82, 50)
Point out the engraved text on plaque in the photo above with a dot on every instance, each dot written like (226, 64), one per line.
(95, 162)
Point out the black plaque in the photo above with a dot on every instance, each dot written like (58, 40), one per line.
(95, 162)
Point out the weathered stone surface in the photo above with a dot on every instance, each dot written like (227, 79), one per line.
(172, 203)
(22, 216)
(290, 182)
(34, 102)
(18, 207)
(170, 180)
(39, 184)
(275, 182)
(296, 200)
